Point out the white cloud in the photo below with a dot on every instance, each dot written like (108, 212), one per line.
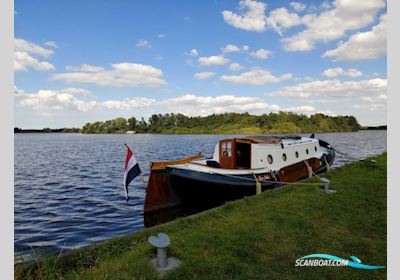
(376, 99)
(50, 101)
(22, 45)
(252, 20)
(305, 109)
(72, 90)
(193, 53)
(334, 88)
(235, 67)
(193, 105)
(120, 75)
(326, 5)
(161, 36)
(26, 53)
(84, 68)
(127, 103)
(261, 54)
(143, 44)
(280, 19)
(333, 24)
(213, 60)
(51, 44)
(230, 48)
(364, 99)
(371, 107)
(81, 91)
(54, 100)
(297, 6)
(334, 72)
(256, 76)
(23, 61)
(204, 75)
(246, 48)
(362, 45)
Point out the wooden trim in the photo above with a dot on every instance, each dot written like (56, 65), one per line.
(160, 165)
(245, 141)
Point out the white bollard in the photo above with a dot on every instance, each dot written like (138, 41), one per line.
(326, 186)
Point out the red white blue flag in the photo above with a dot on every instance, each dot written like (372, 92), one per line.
(131, 169)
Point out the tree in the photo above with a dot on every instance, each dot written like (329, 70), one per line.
(132, 123)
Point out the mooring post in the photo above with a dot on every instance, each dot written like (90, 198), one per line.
(162, 259)
(258, 188)
(161, 242)
(162, 263)
(326, 186)
(258, 185)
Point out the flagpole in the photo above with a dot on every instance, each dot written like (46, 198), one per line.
(143, 181)
(141, 174)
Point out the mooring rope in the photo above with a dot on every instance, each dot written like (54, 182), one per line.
(346, 155)
(269, 181)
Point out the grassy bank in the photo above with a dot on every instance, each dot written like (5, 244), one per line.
(254, 238)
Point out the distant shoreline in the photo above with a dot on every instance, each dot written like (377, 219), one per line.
(63, 130)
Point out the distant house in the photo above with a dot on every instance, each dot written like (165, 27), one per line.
(130, 132)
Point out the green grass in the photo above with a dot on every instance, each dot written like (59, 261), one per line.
(258, 237)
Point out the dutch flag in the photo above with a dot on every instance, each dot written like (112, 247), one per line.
(131, 169)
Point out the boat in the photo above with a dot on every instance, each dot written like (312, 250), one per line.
(239, 167)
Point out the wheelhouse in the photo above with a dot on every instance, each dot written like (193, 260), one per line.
(264, 151)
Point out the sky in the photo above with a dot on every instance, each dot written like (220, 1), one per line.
(84, 61)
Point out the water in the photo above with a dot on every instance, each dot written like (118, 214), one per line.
(68, 189)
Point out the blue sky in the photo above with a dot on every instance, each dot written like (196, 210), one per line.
(83, 61)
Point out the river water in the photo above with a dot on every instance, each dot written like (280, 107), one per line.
(68, 189)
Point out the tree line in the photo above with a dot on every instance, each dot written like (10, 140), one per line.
(282, 122)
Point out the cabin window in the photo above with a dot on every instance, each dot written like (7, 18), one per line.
(270, 159)
(297, 154)
(307, 151)
(284, 157)
(227, 149)
(315, 148)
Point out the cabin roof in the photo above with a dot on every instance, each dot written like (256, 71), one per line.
(266, 139)
(269, 139)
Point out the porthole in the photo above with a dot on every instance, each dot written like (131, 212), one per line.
(307, 151)
(270, 159)
(284, 157)
(297, 154)
(315, 148)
